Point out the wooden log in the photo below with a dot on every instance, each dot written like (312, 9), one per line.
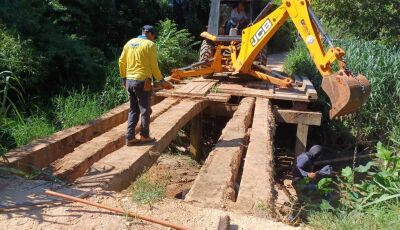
(224, 223)
(298, 117)
(215, 183)
(117, 170)
(301, 139)
(257, 183)
(195, 137)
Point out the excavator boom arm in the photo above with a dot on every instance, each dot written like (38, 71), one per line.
(347, 92)
(255, 37)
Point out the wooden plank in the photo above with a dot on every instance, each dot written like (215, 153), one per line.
(215, 183)
(311, 92)
(218, 97)
(298, 117)
(257, 183)
(40, 153)
(187, 88)
(117, 170)
(74, 164)
(198, 86)
(239, 90)
(301, 139)
(206, 88)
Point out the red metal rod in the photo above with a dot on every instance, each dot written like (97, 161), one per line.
(116, 210)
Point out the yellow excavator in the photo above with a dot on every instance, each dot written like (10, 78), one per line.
(240, 54)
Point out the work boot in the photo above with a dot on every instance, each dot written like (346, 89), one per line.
(147, 139)
(132, 141)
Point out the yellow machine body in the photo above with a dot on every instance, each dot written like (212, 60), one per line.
(346, 92)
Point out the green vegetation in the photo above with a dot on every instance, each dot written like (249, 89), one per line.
(379, 118)
(78, 106)
(372, 218)
(175, 46)
(369, 196)
(147, 191)
(360, 19)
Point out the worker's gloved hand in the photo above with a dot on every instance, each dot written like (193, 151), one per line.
(166, 85)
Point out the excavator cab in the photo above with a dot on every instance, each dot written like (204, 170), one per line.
(220, 30)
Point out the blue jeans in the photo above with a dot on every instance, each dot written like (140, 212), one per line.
(139, 105)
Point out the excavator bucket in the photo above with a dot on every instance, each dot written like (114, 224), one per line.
(346, 92)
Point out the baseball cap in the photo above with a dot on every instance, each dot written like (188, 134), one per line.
(150, 29)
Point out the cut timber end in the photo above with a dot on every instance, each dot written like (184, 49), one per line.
(257, 186)
(118, 169)
(216, 181)
(298, 117)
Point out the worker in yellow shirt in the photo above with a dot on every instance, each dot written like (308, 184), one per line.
(137, 66)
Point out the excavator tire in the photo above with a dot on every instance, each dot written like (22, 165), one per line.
(207, 50)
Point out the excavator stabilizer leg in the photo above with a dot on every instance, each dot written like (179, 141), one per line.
(347, 93)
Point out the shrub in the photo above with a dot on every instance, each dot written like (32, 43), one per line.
(175, 47)
(113, 93)
(370, 20)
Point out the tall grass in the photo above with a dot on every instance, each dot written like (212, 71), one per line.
(374, 218)
(77, 108)
(33, 127)
(380, 117)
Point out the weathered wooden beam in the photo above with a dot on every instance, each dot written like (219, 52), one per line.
(195, 136)
(301, 139)
(257, 183)
(298, 117)
(116, 170)
(215, 183)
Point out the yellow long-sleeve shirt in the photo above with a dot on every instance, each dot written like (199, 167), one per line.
(138, 60)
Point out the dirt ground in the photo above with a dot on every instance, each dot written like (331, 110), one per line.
(178, 170)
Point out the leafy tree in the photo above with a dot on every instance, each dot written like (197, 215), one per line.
(370, 20)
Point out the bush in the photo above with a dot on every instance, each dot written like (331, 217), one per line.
(16, 55)
(370, 20)
(369, 196)
(379, 118)
(113, 93)
(175, 47)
